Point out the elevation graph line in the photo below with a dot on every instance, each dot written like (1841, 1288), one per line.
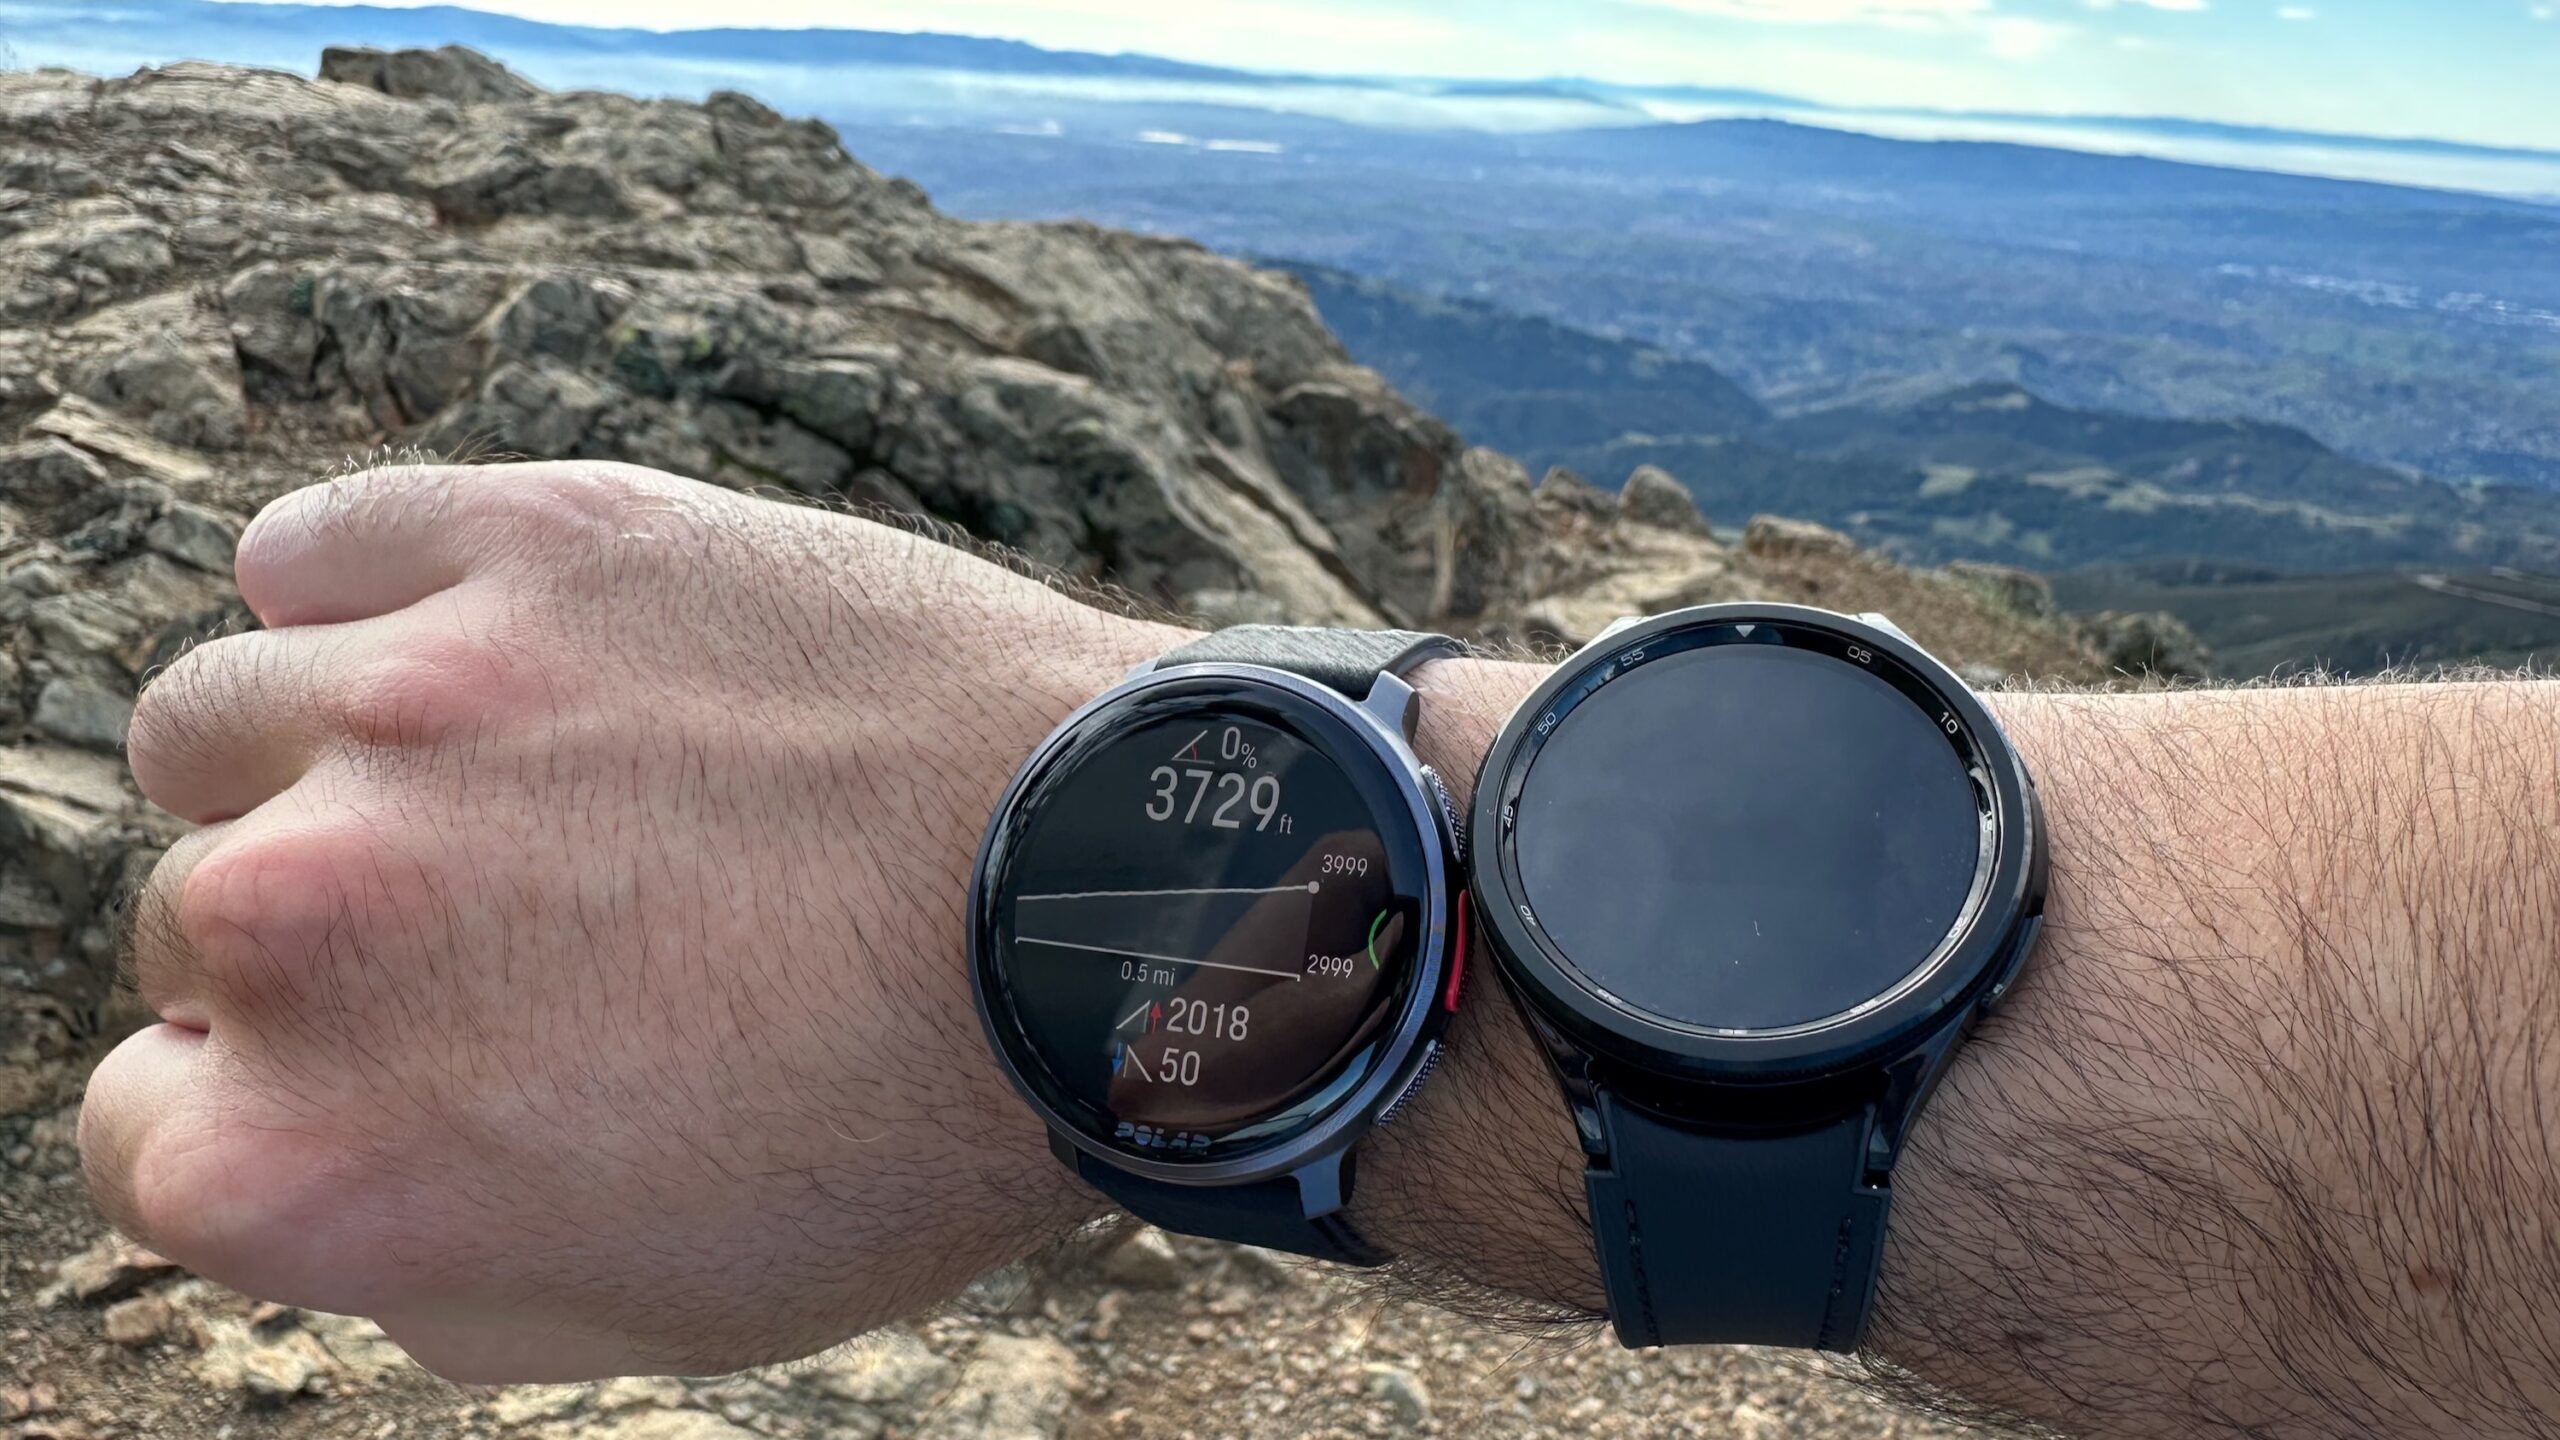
(1309, 888)
(1289, 975)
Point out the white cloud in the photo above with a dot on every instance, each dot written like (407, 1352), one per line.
(2005, 37)
(2016, 37)
(2545, 12)
(2297, 12)
(2187, 7)
(1894, 13)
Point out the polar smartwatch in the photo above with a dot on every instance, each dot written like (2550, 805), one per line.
(1753, 871)
(1211, 930)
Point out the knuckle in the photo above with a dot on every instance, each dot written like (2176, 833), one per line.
(169, 715)
(260, 912)
(416, 692)
(576, 500)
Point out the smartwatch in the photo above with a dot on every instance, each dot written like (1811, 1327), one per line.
(1753, 872)
(1211, 930)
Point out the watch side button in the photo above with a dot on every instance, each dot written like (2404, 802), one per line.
(1449, 815)
(1458, 956)
(1412, 1087)
(2017, 961)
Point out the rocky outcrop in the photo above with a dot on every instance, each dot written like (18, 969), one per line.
(217, 284)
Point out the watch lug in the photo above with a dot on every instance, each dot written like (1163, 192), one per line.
(1571, 1065)
(1324, 1186)
(1614, 626)
(1884, 622)
(1063, 1148)
(1907, 1086)
(1143, 667)
(1394, 703)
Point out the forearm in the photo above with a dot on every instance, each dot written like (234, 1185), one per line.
(2256, 1145)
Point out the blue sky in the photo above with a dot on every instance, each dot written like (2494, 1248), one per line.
(2480, 70)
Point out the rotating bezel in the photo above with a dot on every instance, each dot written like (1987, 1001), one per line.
(1349, 735)
(2007, 891)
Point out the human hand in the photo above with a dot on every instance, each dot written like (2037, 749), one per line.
(568, 974)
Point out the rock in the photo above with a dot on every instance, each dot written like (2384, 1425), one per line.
(71, 778)
(1008, 1291)
(656, 1425)
(541, 410)
(1013, 1389)
(638, 1391)
(83, 712)
(111, 1270)
(108, 438)
(2151, 643)
(1771, 537)
(1750, 1422)
(164, 366)
(451, 72)
(2022, 591)
(139, 1321)
(563, 316)
(1408, 1399)
(194, 535)
(266, 1370)
(890, 1370)
(520, 1405)
(1144, 1261)
(1565, 489)
(44, 473)
(1652, 497)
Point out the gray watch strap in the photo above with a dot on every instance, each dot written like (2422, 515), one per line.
(1347, 660)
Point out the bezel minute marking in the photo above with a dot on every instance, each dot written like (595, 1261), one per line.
(2007, 891)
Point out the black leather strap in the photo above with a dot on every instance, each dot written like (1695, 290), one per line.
(1269, 1213)
(1348, 660)
(1735, 1239)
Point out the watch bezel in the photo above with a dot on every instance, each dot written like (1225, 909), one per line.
(1612, 1029)
(1419, 1019)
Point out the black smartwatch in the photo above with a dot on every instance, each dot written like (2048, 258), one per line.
(1753, 871)
(1215, 930)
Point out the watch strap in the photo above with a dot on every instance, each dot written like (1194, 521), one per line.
(1347, 660)
(1269, 1213)
(1751, 1239)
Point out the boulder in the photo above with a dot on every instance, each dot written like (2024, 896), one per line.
(450, 72)
(1652, 497)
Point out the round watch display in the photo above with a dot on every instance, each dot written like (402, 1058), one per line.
(1744, 832)
(1202, 920)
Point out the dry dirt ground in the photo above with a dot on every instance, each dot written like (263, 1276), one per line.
(1126, 1336)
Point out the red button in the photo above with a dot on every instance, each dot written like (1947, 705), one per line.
(1457, 958)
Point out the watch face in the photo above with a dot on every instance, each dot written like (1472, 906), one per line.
(1752, 829)
(1202, 921)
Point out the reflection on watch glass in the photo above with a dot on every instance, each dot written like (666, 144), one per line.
(1748, 836)
(1202, 932)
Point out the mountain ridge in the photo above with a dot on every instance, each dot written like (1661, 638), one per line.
(437, 24)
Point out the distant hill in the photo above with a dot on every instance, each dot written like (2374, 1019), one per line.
(1985, 471)
(2259, 621)
(213, 29)
(1992, 472)
(1518, 383)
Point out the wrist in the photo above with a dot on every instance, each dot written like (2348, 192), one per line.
(1480, 1179)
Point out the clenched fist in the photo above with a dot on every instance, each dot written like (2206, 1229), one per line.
(568, 971)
